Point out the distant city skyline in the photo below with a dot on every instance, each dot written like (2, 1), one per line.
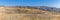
(50, 3)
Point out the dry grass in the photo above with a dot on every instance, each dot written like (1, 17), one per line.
(26, 14)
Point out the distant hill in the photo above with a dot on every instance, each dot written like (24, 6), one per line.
(46, 8)
(51, 10)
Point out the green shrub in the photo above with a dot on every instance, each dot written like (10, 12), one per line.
(33, 18)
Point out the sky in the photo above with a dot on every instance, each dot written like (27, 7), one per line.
(51, 3)
(9, 2)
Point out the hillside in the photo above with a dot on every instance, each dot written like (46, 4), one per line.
(27, 14)
(45, 8)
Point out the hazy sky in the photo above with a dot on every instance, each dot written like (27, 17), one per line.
(54, 3)
(9, 2)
